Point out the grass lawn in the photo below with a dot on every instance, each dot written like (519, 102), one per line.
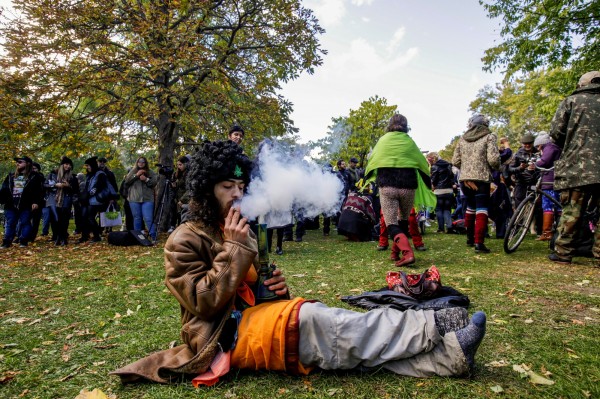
(70, 315)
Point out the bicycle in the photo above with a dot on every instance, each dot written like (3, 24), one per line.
(519, 223)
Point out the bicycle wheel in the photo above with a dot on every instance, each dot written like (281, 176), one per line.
(519, 224)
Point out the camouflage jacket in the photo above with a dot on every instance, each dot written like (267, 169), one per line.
(477, 154)
(576, 129)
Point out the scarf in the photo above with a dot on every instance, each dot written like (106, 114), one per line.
(398, 150)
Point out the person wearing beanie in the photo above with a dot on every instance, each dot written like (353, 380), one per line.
(549, 153)
(477, 156)
(576, 129)
(67, 188)
(236, 134)
(212, 269)
(22, 193)
(519, 168)
(95, 183)
(401, 172)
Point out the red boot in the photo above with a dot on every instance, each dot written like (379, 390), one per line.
(408, 257)
(395, 255)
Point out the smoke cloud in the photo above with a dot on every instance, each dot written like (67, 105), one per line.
(284, 184)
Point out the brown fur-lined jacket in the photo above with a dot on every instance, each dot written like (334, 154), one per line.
(203, 272)
(476, 154)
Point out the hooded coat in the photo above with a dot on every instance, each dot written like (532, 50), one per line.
(477, 154)
(576, 129)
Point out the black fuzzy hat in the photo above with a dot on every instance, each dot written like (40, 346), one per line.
(65, 160)
(93, 162)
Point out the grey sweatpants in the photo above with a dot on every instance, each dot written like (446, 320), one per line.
(406, 343)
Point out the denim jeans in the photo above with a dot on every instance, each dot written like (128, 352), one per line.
(12, 217)
(143, 211)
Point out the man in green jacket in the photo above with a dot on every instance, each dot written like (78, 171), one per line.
(576, 129)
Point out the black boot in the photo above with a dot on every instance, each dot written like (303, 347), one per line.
(5, 244)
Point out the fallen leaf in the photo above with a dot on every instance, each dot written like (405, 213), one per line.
(7, 376)
(497, 389)
(356, 290)
(95, 394)
(34, 322)
(534, 378)
(578, 322)
(497, 363)
(117, 316)
(333, 391)
(528, 321)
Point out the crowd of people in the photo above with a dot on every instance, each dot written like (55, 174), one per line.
(211, 255)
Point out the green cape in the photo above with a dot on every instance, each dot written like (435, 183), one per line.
(398, 150)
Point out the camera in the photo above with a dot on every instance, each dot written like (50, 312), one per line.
(166, 171)
(533, 159)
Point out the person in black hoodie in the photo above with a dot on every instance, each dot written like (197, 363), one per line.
(95, 183)
(443, 184)
(22, 193)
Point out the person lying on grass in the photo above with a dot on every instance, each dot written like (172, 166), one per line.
(211, 265)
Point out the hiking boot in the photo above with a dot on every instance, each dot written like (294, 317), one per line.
(481, 249)
(5, 244)
(279, 251)
(554, 257)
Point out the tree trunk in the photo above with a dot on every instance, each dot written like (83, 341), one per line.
(167, 134)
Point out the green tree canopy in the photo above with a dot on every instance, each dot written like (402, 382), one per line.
(354, 135)
(526, 104)
(545, 34)
(159, 73)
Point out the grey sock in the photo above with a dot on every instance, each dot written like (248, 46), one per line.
(471, 336)
(451, 319)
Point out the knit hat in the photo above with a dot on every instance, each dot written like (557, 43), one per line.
(587, 78)
(541, 139)
(37, 166)
(353, 159)
(92, 162)
(527, 138)
(66, 160)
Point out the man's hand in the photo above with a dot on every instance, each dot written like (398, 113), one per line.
(277, 283)
(236, 227)
(34, 207)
